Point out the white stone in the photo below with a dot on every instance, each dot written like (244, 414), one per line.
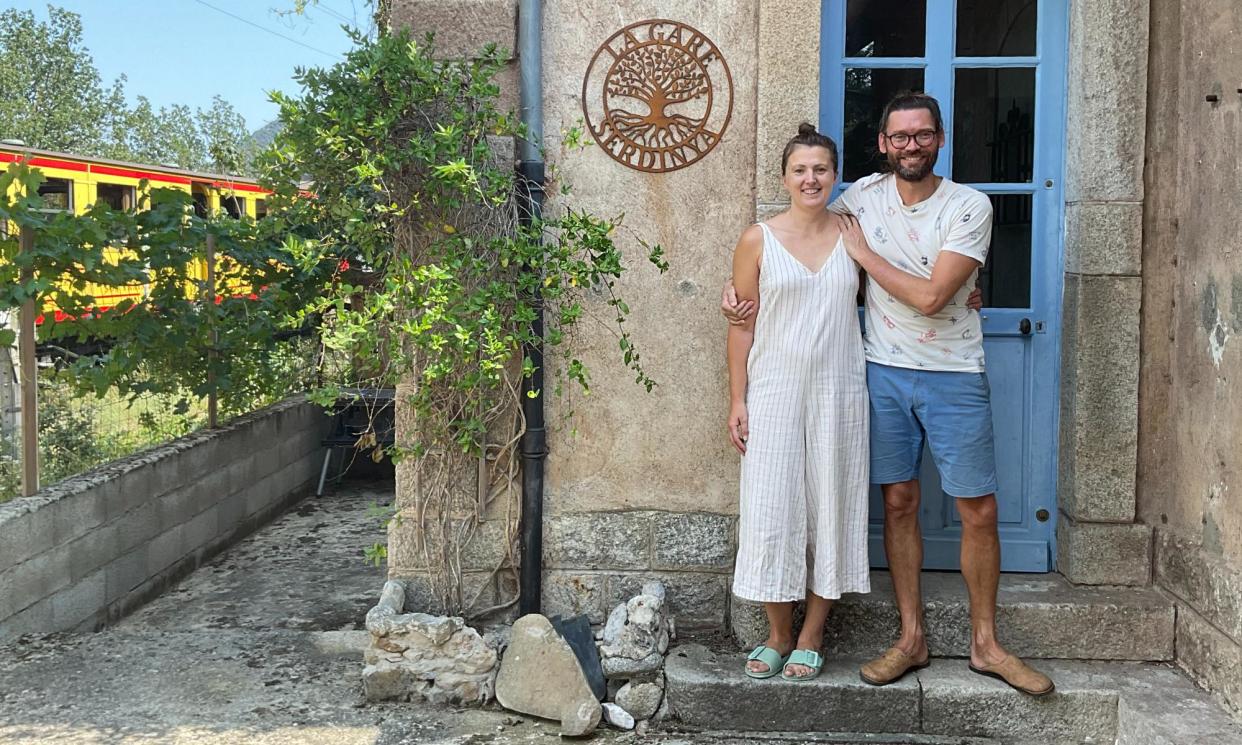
(615, 625)
(618, 716)
(623, 667)
(642, 699)
(654, 589)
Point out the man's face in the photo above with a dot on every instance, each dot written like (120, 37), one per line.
(913, 161)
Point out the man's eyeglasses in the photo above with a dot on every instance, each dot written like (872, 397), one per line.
(901, 139)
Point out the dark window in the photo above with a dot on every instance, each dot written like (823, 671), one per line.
(199, 195)
(994, 125)
(885, 28)
(57, 194)
(116, 196)
(260, 209)
(234, 206)
(1006, 277)
(996, 28)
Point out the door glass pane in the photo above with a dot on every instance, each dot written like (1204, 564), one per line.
(996, 28)
(867, 90)
(994, 125)
(1006, 277)
(885, 28)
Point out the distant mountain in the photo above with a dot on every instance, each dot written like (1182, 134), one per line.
(264, 135)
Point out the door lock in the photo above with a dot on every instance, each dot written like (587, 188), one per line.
(1024, 326)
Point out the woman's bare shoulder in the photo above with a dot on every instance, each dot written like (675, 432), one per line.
(751, 239)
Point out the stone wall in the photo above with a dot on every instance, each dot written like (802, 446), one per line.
(87, 551)
(1190, 414)
(1098, 539)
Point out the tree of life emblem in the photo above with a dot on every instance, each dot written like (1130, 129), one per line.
(657, 96)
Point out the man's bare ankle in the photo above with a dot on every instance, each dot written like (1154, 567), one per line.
(912, 646)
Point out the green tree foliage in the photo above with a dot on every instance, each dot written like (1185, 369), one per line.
(179, 338)
(52, 97)
(410, 191)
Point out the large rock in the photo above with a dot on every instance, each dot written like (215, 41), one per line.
(540, 675)
(416, 655)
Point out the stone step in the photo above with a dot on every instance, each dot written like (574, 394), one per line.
(1095, 702)
(1038, 616)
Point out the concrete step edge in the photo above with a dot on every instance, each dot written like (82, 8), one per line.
(1095, 702)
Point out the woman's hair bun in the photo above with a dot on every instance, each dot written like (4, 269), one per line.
(806, 128)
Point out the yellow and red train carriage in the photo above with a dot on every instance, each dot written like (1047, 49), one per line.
(73, 183)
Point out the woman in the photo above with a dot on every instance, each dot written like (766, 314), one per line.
(799, 415)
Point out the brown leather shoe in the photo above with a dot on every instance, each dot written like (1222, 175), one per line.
(1017, 675)
(890, 667)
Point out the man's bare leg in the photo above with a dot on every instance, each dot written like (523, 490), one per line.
(981, 570)
(903, 544)
(780, 633)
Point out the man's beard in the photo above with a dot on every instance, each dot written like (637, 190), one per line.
(913, 174)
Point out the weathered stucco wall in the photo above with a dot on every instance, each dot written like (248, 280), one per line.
(666, 449)
(637, 481)
(1190, 414)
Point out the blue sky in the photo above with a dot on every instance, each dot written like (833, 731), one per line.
(183, 51)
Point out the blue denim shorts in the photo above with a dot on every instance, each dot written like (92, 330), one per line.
(950, 411)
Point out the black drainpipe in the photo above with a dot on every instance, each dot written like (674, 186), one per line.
(530, 180)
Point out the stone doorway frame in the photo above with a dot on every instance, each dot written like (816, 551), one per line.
(1098, 539)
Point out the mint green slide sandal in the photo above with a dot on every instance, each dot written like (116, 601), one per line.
(768, 656)
(807, 658)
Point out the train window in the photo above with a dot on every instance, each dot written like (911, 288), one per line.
(260, 209)
(116, 196)
(199, 195)
(235, 206)
(57, 194)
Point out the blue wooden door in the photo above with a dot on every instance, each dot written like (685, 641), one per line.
(998, 69)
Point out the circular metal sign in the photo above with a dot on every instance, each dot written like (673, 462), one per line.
(657, 96)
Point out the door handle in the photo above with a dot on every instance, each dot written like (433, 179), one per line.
(1024, 326)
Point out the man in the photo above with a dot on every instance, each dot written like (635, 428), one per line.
(921, 240)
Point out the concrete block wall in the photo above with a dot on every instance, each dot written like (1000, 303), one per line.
(85, 552)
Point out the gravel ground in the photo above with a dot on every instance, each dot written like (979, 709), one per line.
(261, 646)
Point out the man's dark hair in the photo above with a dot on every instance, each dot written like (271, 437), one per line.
(807, 135)
(909, 101)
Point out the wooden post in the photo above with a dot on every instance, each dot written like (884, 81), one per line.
(212, 420)
(29, 377)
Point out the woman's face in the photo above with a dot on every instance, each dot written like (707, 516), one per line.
(809, 176)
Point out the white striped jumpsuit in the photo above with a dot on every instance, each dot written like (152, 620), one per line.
(804, 482)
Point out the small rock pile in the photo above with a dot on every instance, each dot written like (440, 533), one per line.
(632, 647)
(416, 655)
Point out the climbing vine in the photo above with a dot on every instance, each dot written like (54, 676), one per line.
(409, 191)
